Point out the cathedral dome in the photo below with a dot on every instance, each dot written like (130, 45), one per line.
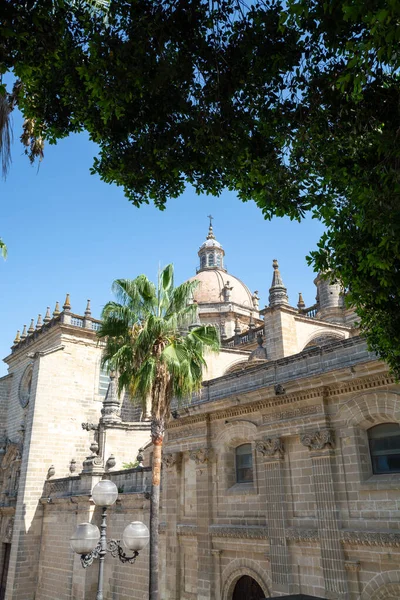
(216, 285)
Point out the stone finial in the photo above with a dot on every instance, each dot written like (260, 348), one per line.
(111, 462)
(277, 291)
(31, 327)
(39, 322)
(67, 304)
(140, 458)
(301, 304)
(17, 338)
(56, 310)
(47, 316)
(260, 353)
(237, 329)
(51, 472)
(24, 333)
(252, 325)
(72, 466)
(88, 312)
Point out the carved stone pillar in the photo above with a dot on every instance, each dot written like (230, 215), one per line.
(202, 458)
(172, 466)
(321, 444)
(273, 451)
(217, 573)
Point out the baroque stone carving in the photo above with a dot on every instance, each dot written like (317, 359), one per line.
(24, 391)
(279, 389)
(90, 426)
(271, 447)
(239, 531)
(186, 529)
(169, 460)
(200, 455)
(293, 414)
(302, 535)
(318, 440)
(370, 538)
(9, 531)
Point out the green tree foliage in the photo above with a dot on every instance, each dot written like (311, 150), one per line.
(157, 359)
(293, 105)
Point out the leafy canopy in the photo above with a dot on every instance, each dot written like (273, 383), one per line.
(294, 105)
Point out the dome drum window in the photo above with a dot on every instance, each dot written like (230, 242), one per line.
(244, 464)
(384, 446)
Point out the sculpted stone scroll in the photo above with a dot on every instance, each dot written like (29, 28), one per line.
(169, 460)
(201, 455)
(272, 447)
(318, 440)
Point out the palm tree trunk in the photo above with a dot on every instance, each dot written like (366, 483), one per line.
(157, 428)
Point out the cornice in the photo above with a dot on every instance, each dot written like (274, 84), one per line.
(330, 391)
(360, 384)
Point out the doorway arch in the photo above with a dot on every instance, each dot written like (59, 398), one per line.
(247, 588)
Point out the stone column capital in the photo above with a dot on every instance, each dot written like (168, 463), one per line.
(201, 455)
(321, 439)
(171, 459)
(271, 448)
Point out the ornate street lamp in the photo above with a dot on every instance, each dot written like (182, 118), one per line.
(91, 543)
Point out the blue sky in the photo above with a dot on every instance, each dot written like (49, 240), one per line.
(66, 231)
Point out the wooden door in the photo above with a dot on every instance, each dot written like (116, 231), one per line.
(247, 589)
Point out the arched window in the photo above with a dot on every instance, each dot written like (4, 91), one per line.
(218, 259)
(244, 464)
(203, 261)
(211, 259)
(384, 446)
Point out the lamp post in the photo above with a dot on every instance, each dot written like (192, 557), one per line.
(91, 543)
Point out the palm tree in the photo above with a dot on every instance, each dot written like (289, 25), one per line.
(3, 249)
(158, 357)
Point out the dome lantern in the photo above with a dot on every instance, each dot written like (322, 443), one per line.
(211, 253)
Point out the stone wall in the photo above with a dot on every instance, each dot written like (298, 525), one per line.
(44, 421)
(61, 576)
(315, 519)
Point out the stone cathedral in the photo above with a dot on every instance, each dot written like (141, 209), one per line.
(280, 478)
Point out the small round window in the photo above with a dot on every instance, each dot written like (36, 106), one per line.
(384, 445)
(25, 386)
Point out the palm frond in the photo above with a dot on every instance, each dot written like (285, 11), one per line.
(6, 136)
(144, 342)
(182, 298)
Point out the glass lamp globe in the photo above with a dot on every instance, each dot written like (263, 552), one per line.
(105, 493)
(136, 536)
(85, 538)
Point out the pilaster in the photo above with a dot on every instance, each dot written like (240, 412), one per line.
(321, 444)
(172, 465)
(273, 451)
(216, 554)
(202, 458)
